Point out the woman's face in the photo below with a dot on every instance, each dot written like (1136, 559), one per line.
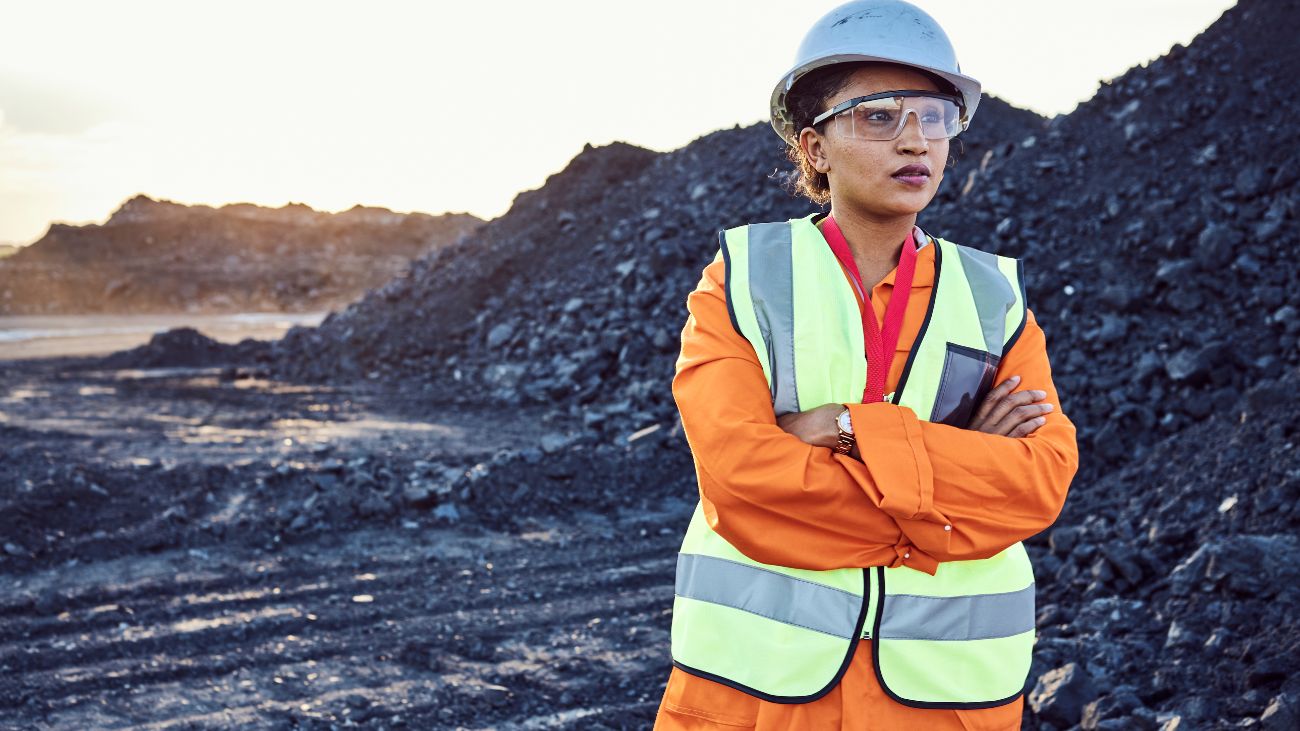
(861, 171)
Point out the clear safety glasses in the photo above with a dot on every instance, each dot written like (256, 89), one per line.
(882, 116)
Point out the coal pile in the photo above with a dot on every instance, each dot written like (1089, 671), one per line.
(155, 256)
(1172, 583)
(580, 287)
(415, 325)
(184, 346)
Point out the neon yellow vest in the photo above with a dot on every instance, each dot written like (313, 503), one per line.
(959, 639)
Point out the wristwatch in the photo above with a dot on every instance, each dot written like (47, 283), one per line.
(845, 425)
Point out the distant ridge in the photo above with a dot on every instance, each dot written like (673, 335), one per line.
(159, 256)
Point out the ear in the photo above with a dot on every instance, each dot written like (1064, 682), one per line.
(815, 149)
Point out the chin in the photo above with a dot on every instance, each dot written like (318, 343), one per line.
(884, 202)
(904, 206)
(916, 202)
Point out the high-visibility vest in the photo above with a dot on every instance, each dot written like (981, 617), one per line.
(961, 638)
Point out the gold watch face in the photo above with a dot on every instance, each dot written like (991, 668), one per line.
(845, 422)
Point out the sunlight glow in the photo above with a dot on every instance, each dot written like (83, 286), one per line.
(446, 107)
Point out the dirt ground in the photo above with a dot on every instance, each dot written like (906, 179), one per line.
(54, 336)
(152, 576)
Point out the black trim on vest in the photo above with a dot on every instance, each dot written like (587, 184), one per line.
(839, 675)
(875, 666)
(1024, 308)
(925, 325)
(726, 279)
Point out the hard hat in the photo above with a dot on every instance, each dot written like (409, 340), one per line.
(874, 30)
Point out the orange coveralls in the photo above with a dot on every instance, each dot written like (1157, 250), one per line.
(890, 509)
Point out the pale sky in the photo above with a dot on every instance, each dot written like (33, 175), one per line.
(437, 106)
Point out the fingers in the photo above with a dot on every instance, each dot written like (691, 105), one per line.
(1000, 391)
(1005, 405)
(1026, 428)
(1029, 415)
(1008, 413)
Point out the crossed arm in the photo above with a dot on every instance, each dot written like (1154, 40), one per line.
(915, 493)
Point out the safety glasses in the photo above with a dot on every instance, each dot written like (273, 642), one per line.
(882, 116)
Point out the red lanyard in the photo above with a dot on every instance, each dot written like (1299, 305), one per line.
(880, 347)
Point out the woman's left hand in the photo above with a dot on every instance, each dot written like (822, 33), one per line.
(815, 426)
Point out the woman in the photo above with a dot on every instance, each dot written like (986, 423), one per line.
(856, 560)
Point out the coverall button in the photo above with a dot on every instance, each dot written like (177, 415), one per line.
(947, 527)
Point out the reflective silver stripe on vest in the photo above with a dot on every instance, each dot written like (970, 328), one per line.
(976, 617)
(991, 292)
(771, 280)
(768, 594)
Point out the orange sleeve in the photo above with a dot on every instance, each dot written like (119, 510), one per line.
(992, 490)
(775, 498)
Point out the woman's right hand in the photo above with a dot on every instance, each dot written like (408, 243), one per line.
(1010, 414)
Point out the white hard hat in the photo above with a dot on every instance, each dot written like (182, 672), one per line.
(874, 30)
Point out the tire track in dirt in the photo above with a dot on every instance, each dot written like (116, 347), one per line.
(548, 636)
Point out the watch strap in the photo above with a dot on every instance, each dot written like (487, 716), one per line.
(846, 439)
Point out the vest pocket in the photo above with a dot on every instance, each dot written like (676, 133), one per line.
(966, 379)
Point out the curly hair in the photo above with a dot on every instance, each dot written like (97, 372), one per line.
(810, 97)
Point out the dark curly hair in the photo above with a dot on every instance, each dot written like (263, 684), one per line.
(810, 97)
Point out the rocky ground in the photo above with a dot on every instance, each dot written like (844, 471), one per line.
(207, 548)
(142, 502)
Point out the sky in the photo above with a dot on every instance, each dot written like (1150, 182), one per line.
(438, 106)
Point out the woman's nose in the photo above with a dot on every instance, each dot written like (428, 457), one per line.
(912, 136)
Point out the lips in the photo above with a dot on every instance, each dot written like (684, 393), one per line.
(912, 170)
